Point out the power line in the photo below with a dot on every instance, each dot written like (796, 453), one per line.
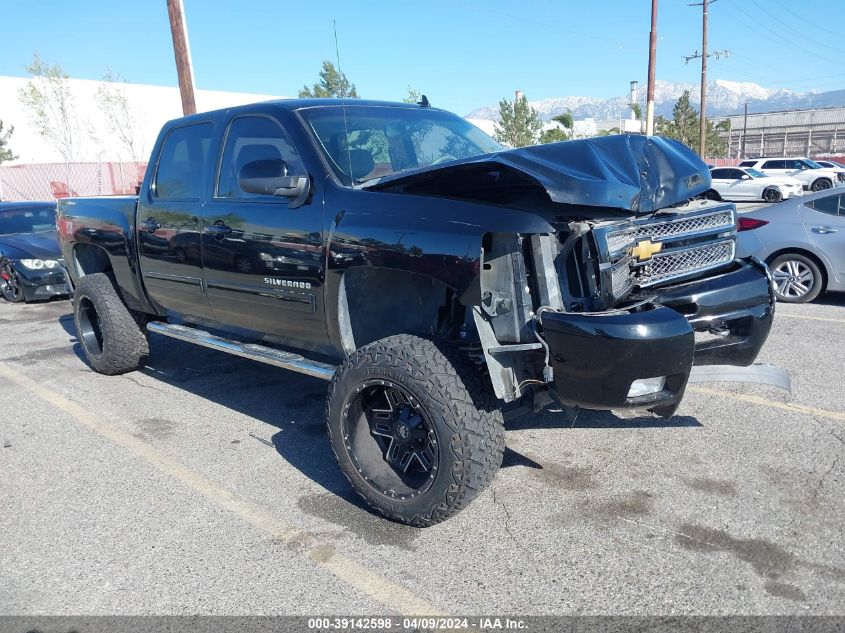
(755, 22)
(803, 19)
(794, 30)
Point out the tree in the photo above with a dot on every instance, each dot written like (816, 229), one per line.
(52, 111)
(519, 124)
(332, 84)
(5, 152)
(556, 134)
(119, 118)
(413, 96)
(684, 127)
(638, 111)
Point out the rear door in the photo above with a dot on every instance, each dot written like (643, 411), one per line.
(775, 168)
(169, 212)
(825, 222)
(262, 261)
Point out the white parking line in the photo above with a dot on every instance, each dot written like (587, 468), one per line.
(390, 594)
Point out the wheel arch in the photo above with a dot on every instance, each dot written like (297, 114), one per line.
(89, 259)
(374, 303)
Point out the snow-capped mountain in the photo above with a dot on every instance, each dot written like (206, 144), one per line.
(723, 98)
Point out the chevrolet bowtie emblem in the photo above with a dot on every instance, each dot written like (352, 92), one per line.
(645, 249)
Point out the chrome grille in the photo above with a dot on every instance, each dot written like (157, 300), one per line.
(680, 262)
(723, 218)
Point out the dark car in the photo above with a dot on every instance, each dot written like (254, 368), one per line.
(31, 265)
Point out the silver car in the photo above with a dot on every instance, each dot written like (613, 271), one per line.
(803, 242)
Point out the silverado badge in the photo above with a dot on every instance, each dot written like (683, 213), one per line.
(645, 249)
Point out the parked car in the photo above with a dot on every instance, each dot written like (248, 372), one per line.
(433, 277)
(746, 183)
(31, 265)
(802, 241)
(839, 168)
(813, 176)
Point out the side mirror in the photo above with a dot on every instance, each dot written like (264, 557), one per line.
(745, 177)
(270, 178)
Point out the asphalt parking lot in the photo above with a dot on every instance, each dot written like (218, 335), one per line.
(205, 484)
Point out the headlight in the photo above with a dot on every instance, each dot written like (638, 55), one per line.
(39, 264)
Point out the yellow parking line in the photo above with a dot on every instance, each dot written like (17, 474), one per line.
(810, 318)
(785, 406)
(390, 594)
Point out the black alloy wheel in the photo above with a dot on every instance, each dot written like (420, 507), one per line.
(772, 194)
(821, 184)
(10, 286)
(389, 440)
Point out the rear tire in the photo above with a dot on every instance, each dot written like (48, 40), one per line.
(772, 195)
(111, 336)
(435, 408)
(821, 184)
(798, 278)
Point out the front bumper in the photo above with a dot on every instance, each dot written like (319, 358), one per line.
(597, 357)
(42, 284)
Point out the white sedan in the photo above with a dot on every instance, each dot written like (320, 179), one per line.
(746, 183)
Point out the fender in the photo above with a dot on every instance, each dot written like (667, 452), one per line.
(91, 227)
(437, 238)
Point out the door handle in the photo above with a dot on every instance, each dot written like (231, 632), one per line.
(823, 230)
(218, 231)
(151, 225)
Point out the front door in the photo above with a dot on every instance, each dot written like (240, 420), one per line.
(169, 216)
(262, 261)
(825, 221)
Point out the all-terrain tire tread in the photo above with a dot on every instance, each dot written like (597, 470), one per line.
(125, 344)
(468, 406)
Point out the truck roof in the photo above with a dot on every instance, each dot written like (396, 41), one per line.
(296, 104)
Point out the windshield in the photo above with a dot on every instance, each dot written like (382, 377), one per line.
(27, 220)
(812, 164)
(754, 173)
(370, 142)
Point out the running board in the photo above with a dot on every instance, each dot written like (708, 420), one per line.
(261, 353)
(760, 373)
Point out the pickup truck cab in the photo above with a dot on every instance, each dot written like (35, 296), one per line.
(435, 278)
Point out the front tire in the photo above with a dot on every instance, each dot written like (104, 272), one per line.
(797, 278)
(10, 285)
(111, 337)
(772, 195)
(712, 194)
(415, 428)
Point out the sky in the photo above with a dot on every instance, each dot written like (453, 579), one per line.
(462, 54)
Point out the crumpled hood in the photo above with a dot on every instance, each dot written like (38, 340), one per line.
(632, 172)
(32, 245)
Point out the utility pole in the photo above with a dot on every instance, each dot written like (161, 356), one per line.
(182, 53)
(702, 115)
(652, 60)
(744, 130)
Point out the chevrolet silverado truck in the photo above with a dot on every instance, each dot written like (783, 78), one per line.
(437, 280)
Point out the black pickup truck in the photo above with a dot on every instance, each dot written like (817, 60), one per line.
(437, 279)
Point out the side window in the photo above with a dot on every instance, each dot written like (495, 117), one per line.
(719, 174)
(735, 174)
(828, 204)
(183, 163)
(248, 139)
(748, 163)
(796, 164)
(774, 164)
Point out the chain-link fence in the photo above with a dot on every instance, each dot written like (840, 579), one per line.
(49, 181)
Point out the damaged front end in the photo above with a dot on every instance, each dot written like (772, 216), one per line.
(610, 314)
